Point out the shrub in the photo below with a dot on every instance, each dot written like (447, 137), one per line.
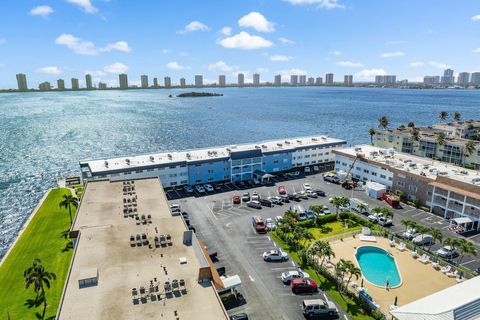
(306, 224)
(326, 219)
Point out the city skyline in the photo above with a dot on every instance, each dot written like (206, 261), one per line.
(73, 38)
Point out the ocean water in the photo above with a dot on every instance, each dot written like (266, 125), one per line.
(44, 135)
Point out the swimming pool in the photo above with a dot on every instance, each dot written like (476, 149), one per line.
(378, 266)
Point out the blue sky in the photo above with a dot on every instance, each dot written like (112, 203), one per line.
(50, 39)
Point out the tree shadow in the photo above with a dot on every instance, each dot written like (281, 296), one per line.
(325, 229)
(68, 247)
(65, 234)
(34, 303)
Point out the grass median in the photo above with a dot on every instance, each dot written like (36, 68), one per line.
(46, 238)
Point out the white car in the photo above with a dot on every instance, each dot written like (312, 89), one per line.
(188, 189)
(312, 194)
(275, 255)
(288, 276)
(278, 220)
(303, 195)
(255, 196)
(372, 218)
(316, 168)
(307, 186)
(448, 252)
(423, 239)
(200, 189)
(175, 207)
(410, 234)
(270, 224)
(208, 187)
(307, 170)
(385, 221)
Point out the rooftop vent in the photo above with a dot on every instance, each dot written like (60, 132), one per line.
(169, 156)
(152, 159)
(188, 155)
(299, 141)
(279, 145)
(264, 146)
(106, 164)
(257, 147)
(287, 142)
(127, 161)
(314, 139)
(324, 138)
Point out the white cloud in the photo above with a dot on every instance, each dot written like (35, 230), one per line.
(417, 64)
(119, 46)
(245, 41)
(293, 71)
(42, 11)
(279, 57)
(336, 53)
(349, 64)
(116, 67)
(438, 65)
(86, 47)
(285, 41)
(324, 4)
(220, 66)
(166, 51)
(194, 26)
(50, 70)
(256, 21)
(476, 18)
(226, 31)
(369, 74)
(85, 5)
(174, 65)
(477, 50)
(391, 54)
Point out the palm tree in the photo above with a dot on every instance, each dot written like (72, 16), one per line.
(338, 202)
(441, 138)
(383, 122)
(470, 147)
(353, 271)
(372, 132)
(415, 134)
(436, 235)
(465, 247)
(307, 236)
(37, 276)
(457, 116)
(321, 249)
(340, 269)
(443, 115)
(411, 124)
(67, 202)
(478, 134)
(408, 224)
(361, 207)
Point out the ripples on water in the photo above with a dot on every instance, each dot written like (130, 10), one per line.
(44, 135)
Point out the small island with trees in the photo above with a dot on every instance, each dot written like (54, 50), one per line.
(199, 94)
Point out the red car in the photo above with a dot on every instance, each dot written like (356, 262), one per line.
(236, 199)
(281, 190)
(304, 286)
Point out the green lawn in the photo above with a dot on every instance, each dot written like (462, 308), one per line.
(333, 228)
(354, 311)
(46, 237)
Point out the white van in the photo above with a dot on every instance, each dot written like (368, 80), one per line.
(356, 203)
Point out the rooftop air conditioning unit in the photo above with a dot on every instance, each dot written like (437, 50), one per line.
(287, 142)
(358, 149)
(324, 138)
(314, 139)
(279, 144)
(169, 156)
(127, 161)
(257, 147)
(299, 141)
(152, 159)
(229, 150)
(264, 146)
(106, 164)
(188, 155)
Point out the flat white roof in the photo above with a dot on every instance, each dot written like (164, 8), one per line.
(442, 304)
(205, 154)
(413, 164)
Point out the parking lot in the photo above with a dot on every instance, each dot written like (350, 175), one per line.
(226, 228)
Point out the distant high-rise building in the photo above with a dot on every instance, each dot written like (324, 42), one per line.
(88, 81)
(431, 79)
(241, 79)
(277, 80)
(348, 80)
(387, 79)
(318, 81)
(183, 82)
(75, 84)
(22, 82)
(302, 80)
(256, 79)
(155, 82)
(44, 86)
(167, 82)
(329, 78)
(144, 81)
(60, 84)
(463, 78)
(123, 81)
(222, 80)
(475, 78)
(448, 77)
(311, 81)
(102, 86)
(198, 80)
(293, 80)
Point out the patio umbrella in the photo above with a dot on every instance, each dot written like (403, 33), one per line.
(395, 301)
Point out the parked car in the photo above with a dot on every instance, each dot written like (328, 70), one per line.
(319, 192)
(423, 239)
(303, 195)
(175, 207)
(307, 170)
(282, 190)
(409, 234)
(316, 168)
(331, 178)
(246, 196)
(254, 204)
(385, 222)
(294, 197)
(304, 286)
(312, 194)
(288, 276)
(310, 214)
(271, 225)
(276, 200)
(275, 255)
(284, 198)
(239, 316)
(372, 218)
(208, 187)
(236, 199)
(307, 186)
(255, 195)
(278, 220)
(218, 187)
(325, 210)
(188, 189)
(265, 203)
(302, 216)
(186, 218)
(200, 189)
(447, 252)
(319, 308)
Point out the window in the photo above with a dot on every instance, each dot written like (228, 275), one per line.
(139, 171)
(183, 165)
(383, 176)
(173, 175)
(374, 174)
(173, 183)
(210, 171)
(401, 184)
(412, 188)
(275, 162)
(149, 170)
(198, 181)
(366, 171)
(172, 167)
(184, 181)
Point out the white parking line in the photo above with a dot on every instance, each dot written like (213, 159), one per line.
(211, 210)
(251, 278)
(345, 317)
(417, 214)
(293, 263)
(410, 210)
(280, 268)
(326, 299)
(464, 263)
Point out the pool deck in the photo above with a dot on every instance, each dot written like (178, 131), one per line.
(418, 279)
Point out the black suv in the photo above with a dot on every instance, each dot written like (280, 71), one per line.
(266, 203)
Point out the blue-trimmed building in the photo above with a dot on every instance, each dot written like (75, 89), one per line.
(229, 163)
